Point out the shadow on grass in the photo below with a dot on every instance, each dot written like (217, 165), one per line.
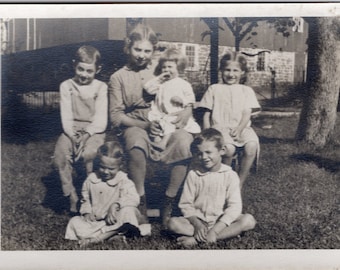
(267, 140)
(324, 163)
(54, 198)
(30, 125)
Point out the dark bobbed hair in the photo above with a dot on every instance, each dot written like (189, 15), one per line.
(173, 55)
(235, 57)
(209, 134)
(88, 54)
(140, 32)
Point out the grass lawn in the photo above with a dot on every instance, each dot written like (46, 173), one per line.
(294, 195)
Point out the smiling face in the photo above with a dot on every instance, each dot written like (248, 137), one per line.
(170, 68)
(108, 167)
(209, 155)
(232, 73)
(84, 73)
(141, 53)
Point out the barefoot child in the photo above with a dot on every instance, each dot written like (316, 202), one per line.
(83, 106)
(109, 200)
(173, 94)
(211, 200)
(229, 107)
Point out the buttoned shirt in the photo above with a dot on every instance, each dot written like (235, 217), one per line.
(98, 196)
(212, 196)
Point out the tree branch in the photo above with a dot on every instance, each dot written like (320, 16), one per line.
(228, 23)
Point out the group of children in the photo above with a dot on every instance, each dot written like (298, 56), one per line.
(112, 205)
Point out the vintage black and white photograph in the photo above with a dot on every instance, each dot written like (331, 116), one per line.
(145, 127)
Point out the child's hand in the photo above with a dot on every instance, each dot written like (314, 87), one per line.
(235, 133)
(200, 233)
(164, 77)
(182, 118)
(78, 142)
(152, 86)
(89, 217)
(82, 140)
(112, 214)
(211, 236)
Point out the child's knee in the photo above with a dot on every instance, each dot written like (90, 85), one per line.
(230, 150)
(248, 222)
(173, 224)
(182, 138)
(250, 148)
(89, 155)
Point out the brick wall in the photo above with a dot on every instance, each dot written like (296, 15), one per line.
(282, 62)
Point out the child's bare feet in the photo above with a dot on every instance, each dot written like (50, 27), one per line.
(186, 241)
(87, 241)
(118, 239)
(83, 243)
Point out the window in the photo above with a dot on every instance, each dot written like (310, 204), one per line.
(191, 52)
(260, 65)
(298, 27)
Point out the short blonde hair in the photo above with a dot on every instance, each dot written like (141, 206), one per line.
(173, 55)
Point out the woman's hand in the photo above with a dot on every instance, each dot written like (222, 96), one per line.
(155, 128)
(182, 117)
(89, 217)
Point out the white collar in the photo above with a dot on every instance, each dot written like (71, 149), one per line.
(112, 182)
(222, 169)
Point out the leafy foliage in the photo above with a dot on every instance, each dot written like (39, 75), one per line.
(242, 27)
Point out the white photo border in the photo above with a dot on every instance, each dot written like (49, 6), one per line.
(182, 259)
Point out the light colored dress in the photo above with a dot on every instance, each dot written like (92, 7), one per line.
(226, 103)
(83, 109)
(212, 196)
(125, 95)
(97, 197)
(171, 96)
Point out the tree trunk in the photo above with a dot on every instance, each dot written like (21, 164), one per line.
(214, 51)
(319, 110)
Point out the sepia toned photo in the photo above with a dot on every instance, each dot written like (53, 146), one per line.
(170, 136)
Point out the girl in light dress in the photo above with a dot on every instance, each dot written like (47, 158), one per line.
(229, 107)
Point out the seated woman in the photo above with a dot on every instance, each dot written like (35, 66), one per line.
(129, 113)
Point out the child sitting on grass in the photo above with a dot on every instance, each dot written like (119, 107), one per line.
(109, 201)
(83, 107)
(211, 201)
